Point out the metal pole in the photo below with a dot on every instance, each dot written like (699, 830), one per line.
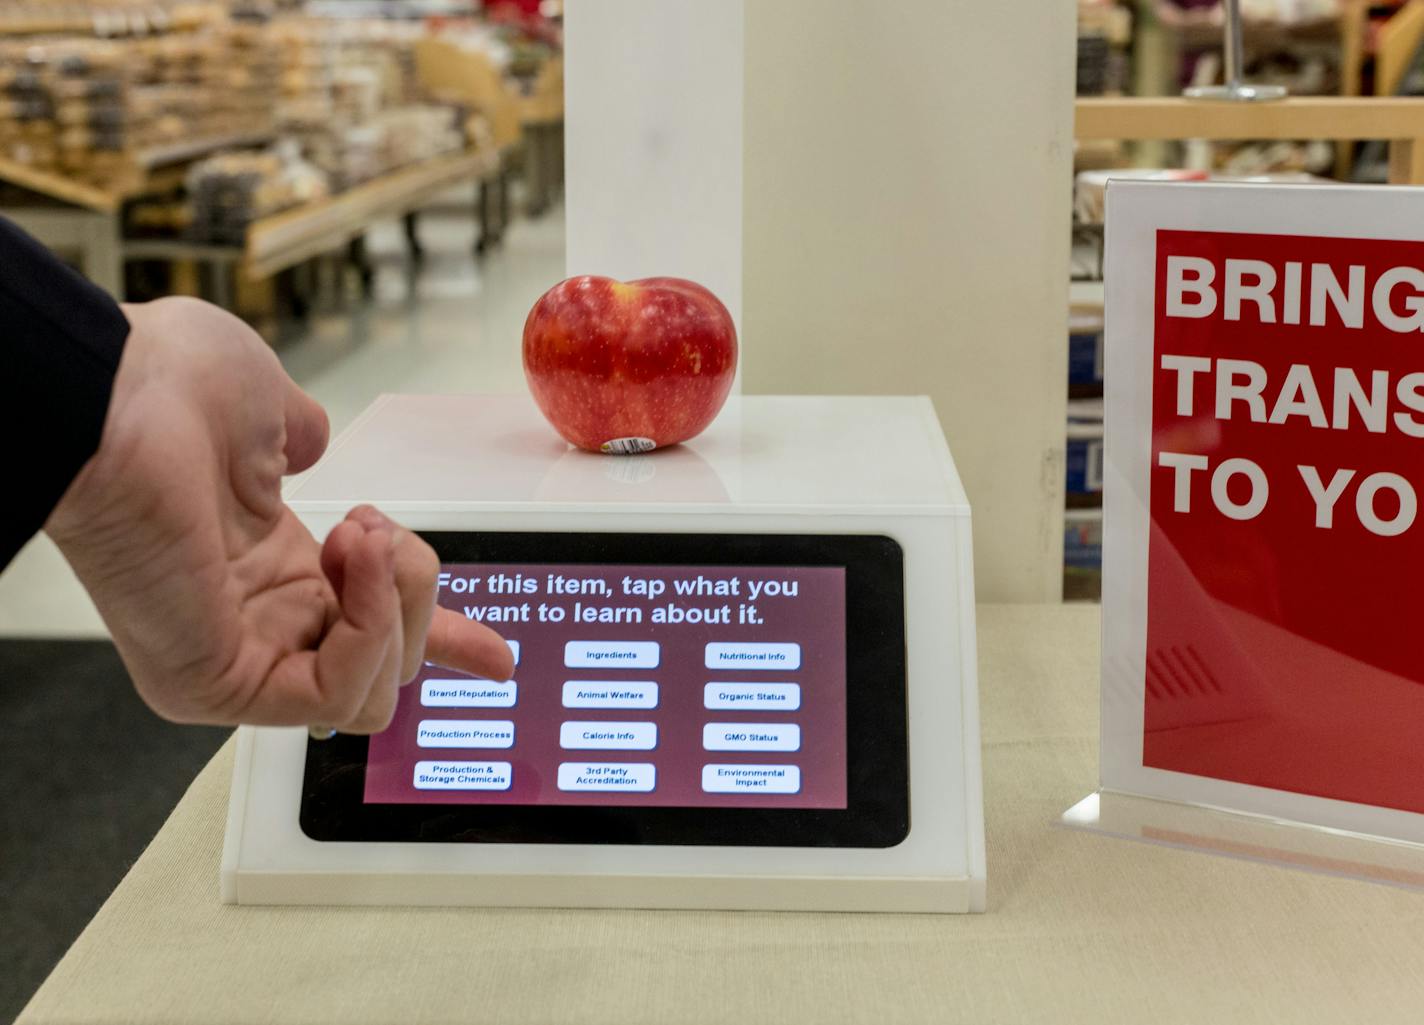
(1233, 71)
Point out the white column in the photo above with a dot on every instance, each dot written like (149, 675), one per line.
(653, 116)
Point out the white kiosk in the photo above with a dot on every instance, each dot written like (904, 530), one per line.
(745, 673)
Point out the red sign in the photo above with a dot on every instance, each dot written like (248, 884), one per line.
(1283, 640)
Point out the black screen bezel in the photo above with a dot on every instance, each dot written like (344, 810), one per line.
(877, 814)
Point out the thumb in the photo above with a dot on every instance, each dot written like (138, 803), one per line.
(307, 428)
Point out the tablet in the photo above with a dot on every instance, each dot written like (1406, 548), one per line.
(678, 689)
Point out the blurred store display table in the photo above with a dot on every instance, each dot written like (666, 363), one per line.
(1080, 928)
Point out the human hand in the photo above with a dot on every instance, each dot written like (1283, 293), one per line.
(223, 606)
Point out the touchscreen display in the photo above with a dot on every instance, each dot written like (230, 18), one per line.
(635, 685)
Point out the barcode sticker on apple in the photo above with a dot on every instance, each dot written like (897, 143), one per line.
(628, 446)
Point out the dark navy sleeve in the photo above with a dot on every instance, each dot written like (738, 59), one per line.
(60, 342)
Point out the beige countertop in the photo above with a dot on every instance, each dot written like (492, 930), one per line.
(1081, 928)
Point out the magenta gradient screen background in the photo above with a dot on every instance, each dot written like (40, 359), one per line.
(815, 619)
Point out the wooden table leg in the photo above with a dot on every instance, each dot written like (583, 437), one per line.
(412, 236)
(1406, 162)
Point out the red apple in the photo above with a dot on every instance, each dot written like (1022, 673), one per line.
(629, 366)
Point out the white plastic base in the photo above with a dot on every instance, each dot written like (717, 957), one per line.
(1250, 837)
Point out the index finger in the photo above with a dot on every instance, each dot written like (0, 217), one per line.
(459, 643)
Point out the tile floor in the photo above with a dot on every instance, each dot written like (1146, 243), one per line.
(453, 327)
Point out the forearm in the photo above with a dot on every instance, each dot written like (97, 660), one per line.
(60, 343)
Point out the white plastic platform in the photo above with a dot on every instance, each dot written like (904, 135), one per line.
(812, 465)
